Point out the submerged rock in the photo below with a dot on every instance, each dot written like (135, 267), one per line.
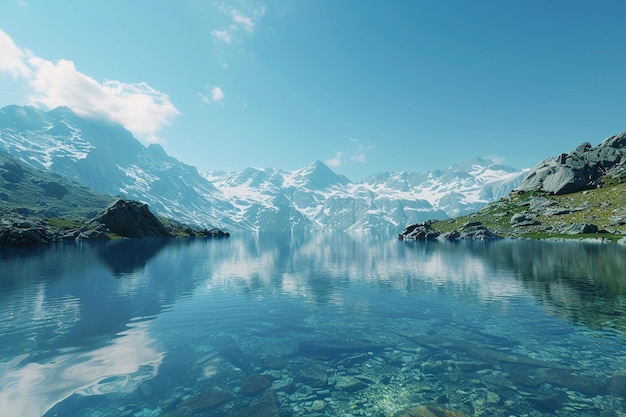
(267, 406)
(550, 402)
(255, 384)
(313, 375)
(349, 384)
(179, 412)
(334, 348)
(584, 384)
(207, 400)
(618, 383)
(229, 349)
(429, 411)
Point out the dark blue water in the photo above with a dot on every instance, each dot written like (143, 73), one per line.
(326, 325)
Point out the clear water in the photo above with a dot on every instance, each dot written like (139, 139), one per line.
(335, 325)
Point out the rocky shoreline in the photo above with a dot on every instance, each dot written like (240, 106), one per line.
(121, 219)
(578, 195)
(425, 231)
(593, 215)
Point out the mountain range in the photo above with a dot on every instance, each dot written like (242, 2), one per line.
(108, 159)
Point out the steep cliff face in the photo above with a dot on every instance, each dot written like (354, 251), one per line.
(581, 169)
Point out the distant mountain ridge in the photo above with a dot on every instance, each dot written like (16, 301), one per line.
(107, 158)
(382, 201)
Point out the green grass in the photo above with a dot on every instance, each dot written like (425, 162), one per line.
(608, 236)
(24, 189)
(65, 224)
(601, 206)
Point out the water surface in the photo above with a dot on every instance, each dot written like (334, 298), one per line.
(335, 325)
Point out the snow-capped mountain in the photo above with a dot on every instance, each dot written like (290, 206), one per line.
(107, 158)
(385, 201)
(317, 198)
(460, 189)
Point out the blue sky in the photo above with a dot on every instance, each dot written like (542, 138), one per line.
(365, 86)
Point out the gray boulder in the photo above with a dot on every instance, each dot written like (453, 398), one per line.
(478, 232)
(24, 236)
(524, 219)
(131, 219)
(581, 169)
(580, 228)
(419, 231)
(520, 218)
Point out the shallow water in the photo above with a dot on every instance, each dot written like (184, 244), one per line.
(335, 325)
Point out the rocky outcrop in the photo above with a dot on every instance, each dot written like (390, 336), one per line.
(581, 228)
(419, 231)
(123, 218)
(128, 218)
(470, 230)
(22, 232)
(581, 169)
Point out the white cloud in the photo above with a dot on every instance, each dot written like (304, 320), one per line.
(12, 57)
(217, 95)
(222, 36)
(496, 159)
(138, 107)
(359, 151)
(359, 157)
(240, 21)
(336, 161)
(22, 4)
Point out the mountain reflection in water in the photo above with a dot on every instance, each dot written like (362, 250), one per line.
(138, 325)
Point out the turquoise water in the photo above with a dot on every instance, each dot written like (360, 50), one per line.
(326, 325)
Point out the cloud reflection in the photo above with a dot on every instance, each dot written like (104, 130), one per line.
(30, 389)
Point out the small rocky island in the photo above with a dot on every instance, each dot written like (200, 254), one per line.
(581, 194)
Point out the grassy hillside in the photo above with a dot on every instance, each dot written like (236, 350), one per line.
(39, 207)
(540, 215)
(30, 192)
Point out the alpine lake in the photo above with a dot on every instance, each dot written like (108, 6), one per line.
(280, 325)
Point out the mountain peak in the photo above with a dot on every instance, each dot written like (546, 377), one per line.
(317, 165)
(22, 117)
(317, 175)
(62, 111)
